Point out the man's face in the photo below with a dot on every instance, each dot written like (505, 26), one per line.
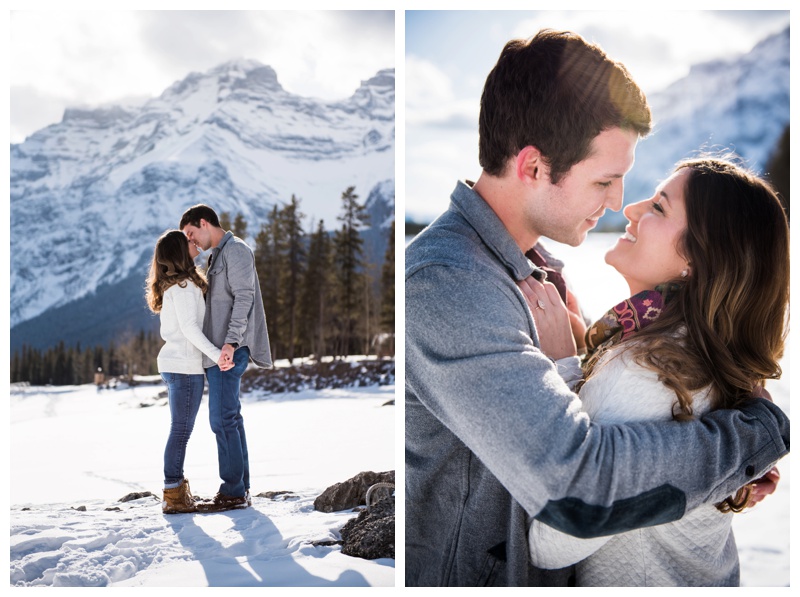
(565, 212)
(199, 235)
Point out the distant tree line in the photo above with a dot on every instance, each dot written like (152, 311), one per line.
(321, 298)
(62, 365)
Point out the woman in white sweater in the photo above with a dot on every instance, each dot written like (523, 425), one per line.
(707, 262)
(175, 290)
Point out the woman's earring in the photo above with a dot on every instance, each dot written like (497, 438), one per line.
(684, 273)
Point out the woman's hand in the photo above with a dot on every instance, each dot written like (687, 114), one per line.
(552, 318)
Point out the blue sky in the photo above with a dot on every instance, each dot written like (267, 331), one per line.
(449, 54)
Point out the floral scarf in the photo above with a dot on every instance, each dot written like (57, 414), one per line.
(627, 318)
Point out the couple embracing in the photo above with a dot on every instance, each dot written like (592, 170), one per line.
(543, 453)
(213, 325)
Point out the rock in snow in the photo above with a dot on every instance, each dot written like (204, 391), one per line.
(350, 493)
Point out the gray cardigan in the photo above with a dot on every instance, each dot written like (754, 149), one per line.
(493, 434)
(234, 308)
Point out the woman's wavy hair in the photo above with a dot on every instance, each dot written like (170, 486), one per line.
(734, 304)
(171, 265)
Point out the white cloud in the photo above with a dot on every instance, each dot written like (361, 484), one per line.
(84, 58)
(431, 100)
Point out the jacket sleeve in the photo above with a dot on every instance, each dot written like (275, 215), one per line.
(241, 274)
(621, 391)
(472, 360)
(186, 313)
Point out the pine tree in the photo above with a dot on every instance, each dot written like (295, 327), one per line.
(349, 265)
(316, 295)
(293, 256)
(268, 267)
(225, 220)
(387, 286)
(16, 361)
(88, 369)
(240, 226)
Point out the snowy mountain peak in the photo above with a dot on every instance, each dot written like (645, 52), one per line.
(384, 78)
(240, 74)
(113, 178)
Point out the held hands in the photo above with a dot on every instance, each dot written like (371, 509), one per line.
(554, 322)
(226, 358)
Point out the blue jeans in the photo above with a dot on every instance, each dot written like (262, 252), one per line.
(227, 424)
(185, 394)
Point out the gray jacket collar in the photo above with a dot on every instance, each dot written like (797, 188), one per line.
(228, 236)
(212, 256)
(474, 209)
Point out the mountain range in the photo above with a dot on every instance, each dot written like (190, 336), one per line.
(739, 105)
(92, 193)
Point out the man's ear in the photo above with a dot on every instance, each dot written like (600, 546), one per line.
(530, 165)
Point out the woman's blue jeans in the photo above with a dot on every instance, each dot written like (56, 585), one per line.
(185, 395)
(227, 423)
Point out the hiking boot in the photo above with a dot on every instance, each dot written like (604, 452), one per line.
(248, 498)
(178, 499)
(221, 503)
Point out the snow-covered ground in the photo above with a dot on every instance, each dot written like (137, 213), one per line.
(76, 451)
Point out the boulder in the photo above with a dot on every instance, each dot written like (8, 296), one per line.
(351, 493)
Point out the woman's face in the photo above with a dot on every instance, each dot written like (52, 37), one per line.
(193, 251)
(647, 254)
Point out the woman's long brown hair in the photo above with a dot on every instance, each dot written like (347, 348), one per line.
(171, 265)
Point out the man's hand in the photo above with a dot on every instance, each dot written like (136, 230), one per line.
(764, 486)
(226, 358)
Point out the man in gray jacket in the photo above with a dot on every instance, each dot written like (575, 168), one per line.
(493, 434)
(235, 321)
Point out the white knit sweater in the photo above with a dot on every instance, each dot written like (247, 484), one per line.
(182, 315)
(697, 550)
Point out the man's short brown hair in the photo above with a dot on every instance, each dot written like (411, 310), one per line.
(198, 212)
(556, 92)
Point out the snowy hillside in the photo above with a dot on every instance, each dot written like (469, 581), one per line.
(90, 194)
(740, 104)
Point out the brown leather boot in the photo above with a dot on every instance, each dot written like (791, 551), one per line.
(221, 503)
(178, 499)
